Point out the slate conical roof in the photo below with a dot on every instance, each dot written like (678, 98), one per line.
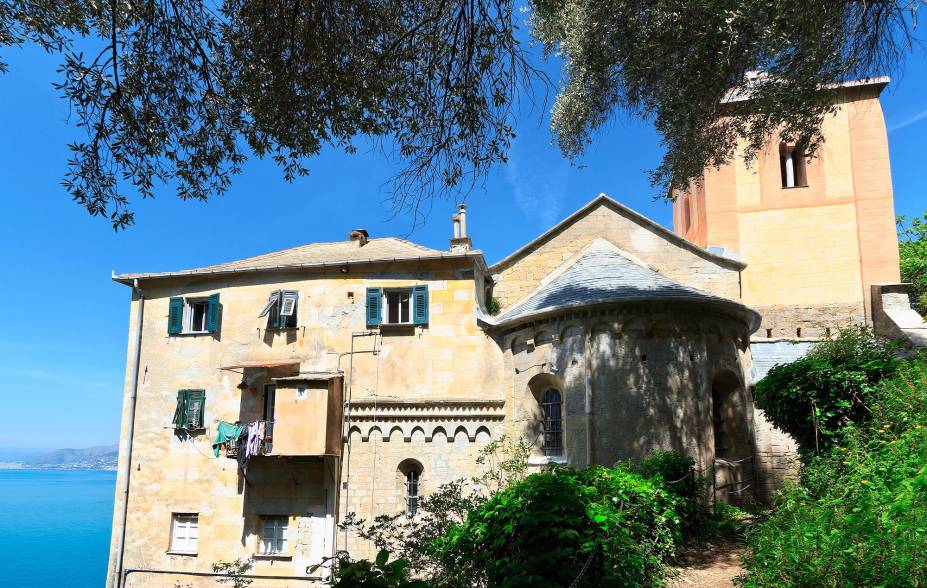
(604, 274)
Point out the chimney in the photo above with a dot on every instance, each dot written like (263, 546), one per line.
(359, 236)
(460, 242)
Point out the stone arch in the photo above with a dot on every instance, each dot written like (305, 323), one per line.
(354, 434)
(461, 429)
(410, 473)
(482, 435)
(519, 344)
(546, 428)
(572, 329)
(417, 434)
(438, 432)
(730, 416)
(393, 434)
(374, 430)
(543, 337)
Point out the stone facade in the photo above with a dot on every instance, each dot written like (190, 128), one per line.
(655, 358)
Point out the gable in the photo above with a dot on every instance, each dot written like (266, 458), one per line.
(659, 249)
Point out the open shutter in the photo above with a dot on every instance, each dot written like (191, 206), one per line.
(196, 404)
(180, 413)
(374, 306)
(420, 305)
(271, 302)
(212, 314)
(175, 316)
(287, 316)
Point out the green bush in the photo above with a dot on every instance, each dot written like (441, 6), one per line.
(860, 516)
(612, 527)
(380, 573)
(912, 245)
(813, 398)
(677, 471)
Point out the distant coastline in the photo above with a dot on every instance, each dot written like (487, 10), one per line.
(102, 457)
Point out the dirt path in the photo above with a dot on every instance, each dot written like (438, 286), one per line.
(711, 565)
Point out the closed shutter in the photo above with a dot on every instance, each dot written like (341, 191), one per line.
(175, 316)
(374, 306)
(180, 413)
(196, 405)
(420, 305)
(212, 314)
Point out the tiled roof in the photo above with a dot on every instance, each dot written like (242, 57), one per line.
(318, 255)
(604, 274)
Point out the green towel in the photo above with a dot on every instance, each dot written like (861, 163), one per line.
(225, 433)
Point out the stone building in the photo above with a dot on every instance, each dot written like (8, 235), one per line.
(817, 234)
(357, 376)
(371, 372)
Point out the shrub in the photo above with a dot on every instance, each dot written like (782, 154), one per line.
(380, 573)
(860, 516)
(677, 472)
(912, 245)
(813, 398)
(612, 527)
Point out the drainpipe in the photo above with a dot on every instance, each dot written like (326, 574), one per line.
(127, 472)
(590, 437)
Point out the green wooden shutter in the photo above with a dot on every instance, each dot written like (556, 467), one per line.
(196, 406)
(180, 413)
(374, 306)
(212, 314)
(420, 305)
(175, 316)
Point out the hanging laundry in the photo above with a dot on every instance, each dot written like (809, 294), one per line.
(255, 438)
(226, 435)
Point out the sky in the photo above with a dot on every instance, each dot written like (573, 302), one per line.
(64, 338)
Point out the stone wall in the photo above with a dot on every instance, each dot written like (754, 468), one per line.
(518, 276)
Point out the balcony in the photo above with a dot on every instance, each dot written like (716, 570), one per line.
(307, 415)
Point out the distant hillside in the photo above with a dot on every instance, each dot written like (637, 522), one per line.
(100, 457)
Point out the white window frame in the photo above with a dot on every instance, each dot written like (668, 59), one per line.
(188, 304)
(185, 533)
(385, 316)
(274, 538)
(276, 305)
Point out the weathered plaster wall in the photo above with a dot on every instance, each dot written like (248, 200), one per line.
(521, 276)
(816, 249)
(451, 358)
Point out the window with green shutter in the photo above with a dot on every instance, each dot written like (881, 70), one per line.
(191, 406)
(374, 307)
(281, 309)
(193, 315)
(420, 304)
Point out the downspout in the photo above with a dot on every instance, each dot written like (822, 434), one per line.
(127, 472)
(590, 437)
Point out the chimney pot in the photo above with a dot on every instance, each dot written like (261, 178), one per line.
(460, 242)
(359, 236)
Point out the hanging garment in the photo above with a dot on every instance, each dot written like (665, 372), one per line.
(255, 436)
(226, 434)
(241, 444)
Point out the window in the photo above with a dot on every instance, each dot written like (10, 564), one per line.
(280, 309)
(193, 315)
(397, 306)
(185, 532)
(412, 478)
(190, 408)
(686, 213)
(553, 422)
(792, 166)
(274, 535)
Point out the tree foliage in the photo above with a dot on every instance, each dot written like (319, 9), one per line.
(675, 61)
(183, 91)
(912, 245)
(180, 90)
(815, 397)
(859, 518)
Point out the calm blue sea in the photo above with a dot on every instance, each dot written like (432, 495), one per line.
(55, 527)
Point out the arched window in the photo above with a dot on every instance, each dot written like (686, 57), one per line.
(411, 472)
(552, 406)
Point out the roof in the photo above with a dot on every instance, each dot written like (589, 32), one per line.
(742, 93)
(318, 255)
(605, 200)
(605, 274)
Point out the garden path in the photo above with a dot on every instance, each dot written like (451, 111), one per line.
(714, 564)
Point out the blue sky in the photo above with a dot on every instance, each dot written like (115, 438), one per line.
(63, 339)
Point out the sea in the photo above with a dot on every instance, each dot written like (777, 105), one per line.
(55, 527)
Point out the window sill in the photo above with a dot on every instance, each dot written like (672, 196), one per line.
(280, 556)
(187, 553)
(191, 333)
(794, 187)
(281, 329)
